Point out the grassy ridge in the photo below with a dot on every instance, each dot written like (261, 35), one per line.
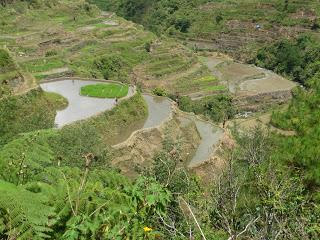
(69, 144)
(32, 111)
(8, 72)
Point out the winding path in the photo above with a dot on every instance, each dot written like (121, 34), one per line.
(160, 111)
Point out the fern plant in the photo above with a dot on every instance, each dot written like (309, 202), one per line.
(23, 214)
(25, 157)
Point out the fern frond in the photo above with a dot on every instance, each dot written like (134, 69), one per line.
(24, 213)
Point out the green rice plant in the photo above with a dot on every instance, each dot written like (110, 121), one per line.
(214, 88)
(102, 90)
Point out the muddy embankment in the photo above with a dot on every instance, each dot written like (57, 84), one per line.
(199, 141)
(140, 148)
(262, 101)
(253, 88)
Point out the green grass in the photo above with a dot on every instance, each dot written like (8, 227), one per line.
(101, 90)
(206, 79)
(215, 88)
(25, 113)
(8, 75)
(57, 100)
(40, 76)
(43, 65)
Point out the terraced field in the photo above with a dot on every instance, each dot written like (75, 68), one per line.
(176, 69)
(96, 44)
(12, 79)
(72, 40)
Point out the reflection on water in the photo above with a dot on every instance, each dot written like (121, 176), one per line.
(159, 110)
(79, 107)
(210, 137)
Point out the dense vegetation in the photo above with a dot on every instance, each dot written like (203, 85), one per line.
(8, 72)
(25, 113)
(105, 90)
(298, 58)
(211, 16)
(166, 201)
(302, 116)
(218, 108)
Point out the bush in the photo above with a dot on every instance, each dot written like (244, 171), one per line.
(6, 62)
(147, 46)
(111, 66)
(219, 18)
(293, 58)
(159, 91)
(182, 24)
(217, 107)
(51, 53)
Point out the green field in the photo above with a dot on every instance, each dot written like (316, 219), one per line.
(102, 90)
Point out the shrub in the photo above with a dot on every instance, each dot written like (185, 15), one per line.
(51, 53)
(147, 46)
(111, 66)
(6, 62)
(217, 107)
(159, 91)
(219, 18)
(294, 58)
(182, 24)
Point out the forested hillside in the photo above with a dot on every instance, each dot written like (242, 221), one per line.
(236, 27)
(261, 182)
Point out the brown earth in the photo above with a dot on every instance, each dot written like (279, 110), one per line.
(140, 148)
(253, 87)
(261, 120)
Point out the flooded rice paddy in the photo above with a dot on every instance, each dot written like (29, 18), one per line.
(159, 111)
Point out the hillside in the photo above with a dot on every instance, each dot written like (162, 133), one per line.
(144, 119)
(235, 27)
(50, 42)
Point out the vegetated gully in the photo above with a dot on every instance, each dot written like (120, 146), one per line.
(159, 109)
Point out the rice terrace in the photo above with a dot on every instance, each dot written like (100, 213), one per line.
(184, 119)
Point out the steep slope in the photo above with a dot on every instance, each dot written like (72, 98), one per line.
(74, 38)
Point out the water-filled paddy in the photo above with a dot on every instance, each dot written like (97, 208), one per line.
(210, 138)
(79, 107)
(159, 111)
